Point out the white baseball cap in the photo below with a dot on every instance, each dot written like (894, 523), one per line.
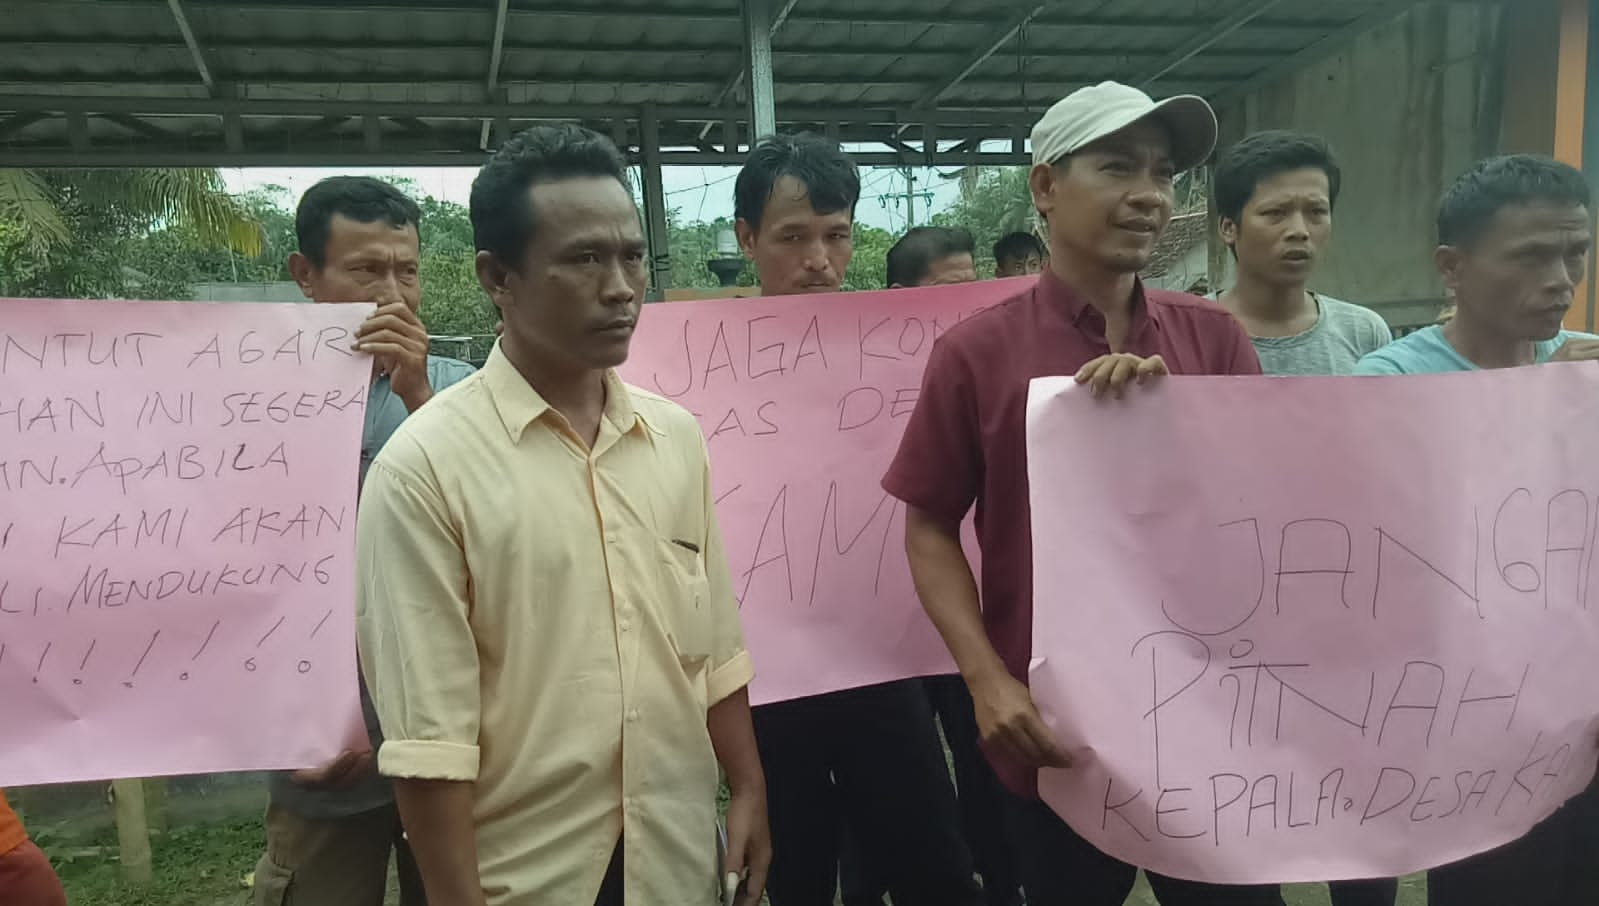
(1089, 114)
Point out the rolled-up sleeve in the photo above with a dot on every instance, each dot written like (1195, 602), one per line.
(413, 623)
(731, 668)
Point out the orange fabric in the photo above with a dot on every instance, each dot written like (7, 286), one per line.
(11, 833)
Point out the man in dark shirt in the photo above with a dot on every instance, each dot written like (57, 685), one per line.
(1105, 159)
(330, 830)
(865, 758)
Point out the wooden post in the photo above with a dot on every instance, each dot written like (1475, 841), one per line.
(133, 833)
(155, 804)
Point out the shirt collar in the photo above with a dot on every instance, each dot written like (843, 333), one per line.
(519, 405)
(1068, 301)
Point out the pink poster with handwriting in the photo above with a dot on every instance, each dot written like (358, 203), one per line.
(803, 400)
(1300, 629)
(177, 517)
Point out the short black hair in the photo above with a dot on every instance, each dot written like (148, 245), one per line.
(360, 198)
(1470, 204)
(1243, 167)
(501, 209)
(1017, 246)
(829, 176)
(914, 254)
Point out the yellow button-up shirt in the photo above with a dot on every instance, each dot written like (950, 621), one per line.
(551, 623)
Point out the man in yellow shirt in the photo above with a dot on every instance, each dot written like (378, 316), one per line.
(546, 616)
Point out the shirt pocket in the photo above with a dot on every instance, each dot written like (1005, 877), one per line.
(685, 597)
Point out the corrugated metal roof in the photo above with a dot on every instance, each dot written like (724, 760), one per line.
(88, 81)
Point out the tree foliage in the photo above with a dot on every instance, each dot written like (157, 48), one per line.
(154, 235)
(993, 202)
(72, 232)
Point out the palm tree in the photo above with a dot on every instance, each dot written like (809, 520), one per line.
(42, 205)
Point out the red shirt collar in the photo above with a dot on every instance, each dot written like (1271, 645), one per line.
(1063, 298)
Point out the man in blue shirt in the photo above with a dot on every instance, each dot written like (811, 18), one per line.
(330, 830)
(1514, 237)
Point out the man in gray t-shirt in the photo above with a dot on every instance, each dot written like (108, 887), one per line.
(1275, 192)
(331, 829)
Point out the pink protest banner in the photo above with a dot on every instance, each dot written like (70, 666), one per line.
(1320, 628)
(803, 400)
(177, 517)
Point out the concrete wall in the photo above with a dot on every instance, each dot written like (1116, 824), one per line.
(285, 291)
(1406, 107)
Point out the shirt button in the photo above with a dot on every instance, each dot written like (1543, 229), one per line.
(624, 624)
(632, 715)
(610, 538)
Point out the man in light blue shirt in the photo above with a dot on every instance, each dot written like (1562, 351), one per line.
(1430, 350)
(332, 829)
(1514, 237)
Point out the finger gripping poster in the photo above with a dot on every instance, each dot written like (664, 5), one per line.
(1301, 629)
(177, 515)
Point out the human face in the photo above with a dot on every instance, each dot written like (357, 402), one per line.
(797, 250)
(571, 304)
(1019, 267)
(1518, 278)
(1108, 203)
(957, 268)
(1285, 227)
(363, 262)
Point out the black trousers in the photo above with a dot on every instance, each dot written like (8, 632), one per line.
(1059, 868)
(867, 759)
(1556, 864)
(611, 887)
(978, 794)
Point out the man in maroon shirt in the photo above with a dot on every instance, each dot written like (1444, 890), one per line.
(1104, 163)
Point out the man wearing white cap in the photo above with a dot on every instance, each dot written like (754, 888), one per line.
(1104, 162)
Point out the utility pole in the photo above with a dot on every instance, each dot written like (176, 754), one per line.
(910, 197)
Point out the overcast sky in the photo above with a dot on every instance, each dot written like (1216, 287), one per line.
(699, 193)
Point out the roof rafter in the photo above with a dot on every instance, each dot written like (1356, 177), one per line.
(496, 55)
(1246, 13)
(995, 39)
(176, 6)
(737, 78)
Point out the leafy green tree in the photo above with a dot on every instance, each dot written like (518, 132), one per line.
(993, 202)
(71, 232)
(868, 269)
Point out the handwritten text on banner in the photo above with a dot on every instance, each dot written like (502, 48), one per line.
(177, 509)
(1301, 629)
(803, 400)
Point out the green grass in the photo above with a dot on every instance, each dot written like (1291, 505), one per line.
(205, 864)
(198, 865)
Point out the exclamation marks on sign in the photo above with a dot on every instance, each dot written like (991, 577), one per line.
(42, 657)
(78, 680)
(147, 649)
(203, 645)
